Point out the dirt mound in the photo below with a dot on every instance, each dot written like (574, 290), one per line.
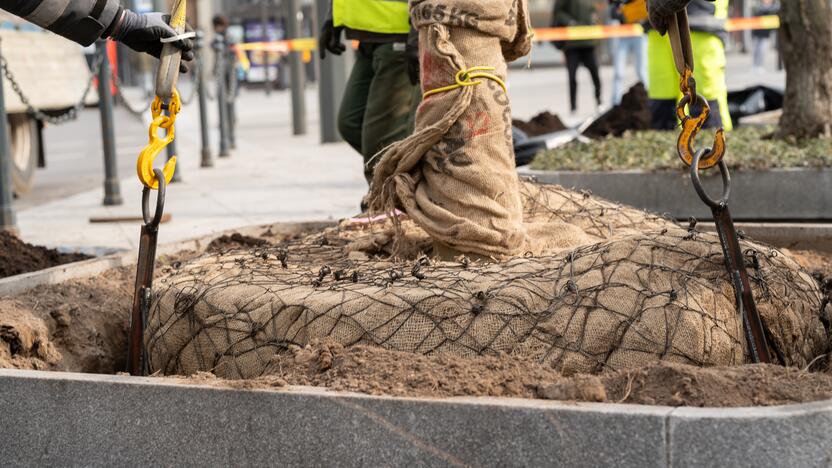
(376, 371)
(632, 114)
(235, 241)
(541, 124)
(79, 326)
(18, 257)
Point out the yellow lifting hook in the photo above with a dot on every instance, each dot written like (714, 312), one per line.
(166, 78)
(144, 166)
(679, 33)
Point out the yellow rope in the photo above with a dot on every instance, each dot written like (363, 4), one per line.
(466, 78)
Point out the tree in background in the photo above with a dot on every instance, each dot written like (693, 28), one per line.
(806, 42)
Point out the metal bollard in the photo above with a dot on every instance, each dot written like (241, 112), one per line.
(8, 221)
(222, 95)
(333, 80)
(231, 95)
(294, 17)
(112, 189)
(207, 156)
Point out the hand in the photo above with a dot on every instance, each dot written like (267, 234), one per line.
(411, 53)
(144, 32)
(330, 40)
(662, 12)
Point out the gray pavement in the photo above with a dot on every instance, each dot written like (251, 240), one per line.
(271, 177)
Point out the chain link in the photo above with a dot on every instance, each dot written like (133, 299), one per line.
(64, 117)
(132, 108)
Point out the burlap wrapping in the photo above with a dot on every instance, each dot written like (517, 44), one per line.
(639, 289)
(455, 176)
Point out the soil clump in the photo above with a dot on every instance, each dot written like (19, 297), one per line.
(632, 114)
(18, 257)
(376, 371)
(235, 241)
(541, 124)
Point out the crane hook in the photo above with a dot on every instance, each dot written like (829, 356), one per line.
(144, 165)
(691, 126)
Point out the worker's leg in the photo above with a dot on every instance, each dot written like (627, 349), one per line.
(389, 104)
(640, 51)
(619, 61)
(709, 65)
(664, 83)
(354, 103)
(572, 61)
(591, 63)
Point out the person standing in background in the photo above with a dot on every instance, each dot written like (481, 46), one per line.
(382, 90)
(622, 49)
(707, 23)
(577, 53)
(761, 38)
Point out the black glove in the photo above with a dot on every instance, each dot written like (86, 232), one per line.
(143, 33)
(663, 11)
(330, 40)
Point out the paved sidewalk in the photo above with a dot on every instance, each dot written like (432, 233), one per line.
(271, 177)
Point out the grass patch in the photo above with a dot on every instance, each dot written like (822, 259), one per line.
(748, 148)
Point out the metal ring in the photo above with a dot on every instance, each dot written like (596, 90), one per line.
(697, 183)
(687, 101)
(156, 220)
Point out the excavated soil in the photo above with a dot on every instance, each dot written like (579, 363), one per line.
(18, 257)
(631, 115)
(541, 124)
(81, 326)
(380, 372)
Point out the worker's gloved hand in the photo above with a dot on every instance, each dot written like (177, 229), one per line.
(144, 32)
(411, 51)
(330, 39)
(663, 11)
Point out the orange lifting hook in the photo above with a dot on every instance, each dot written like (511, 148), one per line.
(691, 126)
(144, 165)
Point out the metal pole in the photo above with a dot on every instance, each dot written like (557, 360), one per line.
(264, 24)
(294, 18)
(207, 157)
(231, 95)
(333, 80)
(222, 98)
(8, 221)
(112, 189)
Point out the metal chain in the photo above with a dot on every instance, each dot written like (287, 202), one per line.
(195, 80)
(64, 117)
(132, 108)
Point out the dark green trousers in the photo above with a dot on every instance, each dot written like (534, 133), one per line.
(379, 101)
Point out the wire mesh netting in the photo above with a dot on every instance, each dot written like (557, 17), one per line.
(603, 287)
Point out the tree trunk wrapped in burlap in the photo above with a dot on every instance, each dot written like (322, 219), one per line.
(637, 290)
(455, 176)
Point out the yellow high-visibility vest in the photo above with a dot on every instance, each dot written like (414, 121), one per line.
(377, 16)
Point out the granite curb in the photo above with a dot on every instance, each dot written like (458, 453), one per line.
(772, 195)
(73, 419)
